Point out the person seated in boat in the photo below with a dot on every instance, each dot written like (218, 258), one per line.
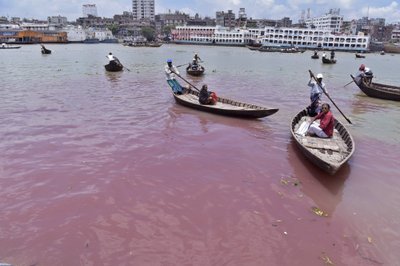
(3, 45)
(170, 71)
(325, 127)
(113, 60)
(323, 54)
(317, 88)
(315, 53)
(368, 75)
(207, 97)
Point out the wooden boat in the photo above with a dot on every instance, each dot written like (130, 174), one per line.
(377, 90)
(315, 56)
(224, 106)
(329, 154)
(360, 56)
(391, 47)
(45, 51)
(269, 49)
(328, 61)
(253, 48)
(114, 66)
(195, 71)
(6, 46)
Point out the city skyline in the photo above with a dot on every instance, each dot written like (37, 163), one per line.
(256, 9)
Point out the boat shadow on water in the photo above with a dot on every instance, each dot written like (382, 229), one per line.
(324, 189)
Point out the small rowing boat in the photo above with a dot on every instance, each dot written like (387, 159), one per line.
(328, 61)
(328, 154)
(377, 90)
(114, 66)
(224, 106)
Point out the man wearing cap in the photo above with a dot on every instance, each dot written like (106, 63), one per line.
(317, 88)
(170, 71)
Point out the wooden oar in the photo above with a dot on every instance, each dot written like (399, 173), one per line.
(348, 83)
(185, 80)
(182, 65)
(327, 95)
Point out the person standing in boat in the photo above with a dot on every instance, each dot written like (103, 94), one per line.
(207, 97)
(325, 127)
(332, 54)
(317, 88)
(360, 74)
(170, 71)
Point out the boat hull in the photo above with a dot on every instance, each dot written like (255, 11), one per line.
(224, 106)
(328, 154)
(113, 67)
(328, 61)
(377, 90)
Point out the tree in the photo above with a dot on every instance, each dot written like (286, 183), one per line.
(149, 33)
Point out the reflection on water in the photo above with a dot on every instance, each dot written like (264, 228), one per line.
(325, 190)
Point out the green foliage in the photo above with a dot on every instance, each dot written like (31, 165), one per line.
(149, 33)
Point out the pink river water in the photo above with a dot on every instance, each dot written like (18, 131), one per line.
(106, 169)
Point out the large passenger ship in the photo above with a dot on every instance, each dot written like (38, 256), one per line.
(271, 37)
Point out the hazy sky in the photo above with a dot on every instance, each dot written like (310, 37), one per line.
(272, 9)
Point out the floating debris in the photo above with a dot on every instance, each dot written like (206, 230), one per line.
(319, 212)
(326, 259)
(369, 240)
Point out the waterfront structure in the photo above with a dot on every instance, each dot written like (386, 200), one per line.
(21, 36)
(313, 39)
(211, 35)
(271, 37)
(143, 9)
(89, 10)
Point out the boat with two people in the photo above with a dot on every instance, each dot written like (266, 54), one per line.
(221, 106)
(329, 154)
(194, 68)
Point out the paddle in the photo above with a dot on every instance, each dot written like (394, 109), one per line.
(126, 68)
(182, 65)
(327, 95)
(348, 83)
(185, 80)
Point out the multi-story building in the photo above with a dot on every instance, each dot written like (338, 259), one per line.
(331, 21)
(89, 9)
(225, 19)
(143, 9)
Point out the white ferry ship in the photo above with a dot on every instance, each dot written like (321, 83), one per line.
(271, 37)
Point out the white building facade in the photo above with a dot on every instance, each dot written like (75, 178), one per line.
(332, 21)
(143, 9)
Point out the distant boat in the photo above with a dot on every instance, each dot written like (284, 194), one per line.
(360, 55)
(315, 56)
(328, 61)
(91, 40)
(44, 50)
(391, 47)
(143, 44)
(7, 46)
(329, 154)
(195, 70)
